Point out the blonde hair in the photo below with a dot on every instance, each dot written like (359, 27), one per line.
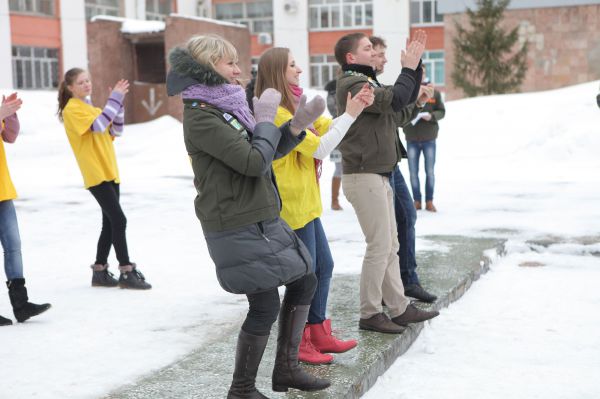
(210, 49)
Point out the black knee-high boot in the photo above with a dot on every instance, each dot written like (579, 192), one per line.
(287, 373)
(23, 309)
(249, 352)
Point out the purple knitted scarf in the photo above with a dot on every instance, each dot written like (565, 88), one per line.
(227, 97)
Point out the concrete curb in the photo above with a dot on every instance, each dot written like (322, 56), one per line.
(206, 372)
(404, 341)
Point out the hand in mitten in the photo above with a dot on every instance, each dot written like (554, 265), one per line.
(265, 107)
(307, 113)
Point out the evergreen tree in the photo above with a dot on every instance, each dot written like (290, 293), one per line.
(485, 62)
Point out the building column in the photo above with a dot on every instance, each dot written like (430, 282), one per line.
(290, 29)
(391, 21)
(187, 7)
(6, 72)
(135, 9)
(73, 26)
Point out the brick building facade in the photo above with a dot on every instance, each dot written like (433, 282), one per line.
(563, 36)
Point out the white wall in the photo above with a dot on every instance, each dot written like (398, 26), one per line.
(73, 34)
(291, 30)
(135, 9)
(6, 77)
(187, 7)
(392, 23)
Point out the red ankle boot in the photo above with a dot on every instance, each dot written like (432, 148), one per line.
(308, 353)
(325, 342)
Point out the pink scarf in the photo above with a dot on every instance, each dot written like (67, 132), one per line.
(297, 92)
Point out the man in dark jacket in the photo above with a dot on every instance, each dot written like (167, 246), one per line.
(421, 135)
(370, 151)
(405, 214)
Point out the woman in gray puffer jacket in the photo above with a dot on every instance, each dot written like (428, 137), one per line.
(238, 205)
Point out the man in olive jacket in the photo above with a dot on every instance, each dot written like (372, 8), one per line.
(370, 151)
(406, 215)
(421, 138)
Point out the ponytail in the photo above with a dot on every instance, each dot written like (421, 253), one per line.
(64, 94)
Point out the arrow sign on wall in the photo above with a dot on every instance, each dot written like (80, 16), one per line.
(153, 106)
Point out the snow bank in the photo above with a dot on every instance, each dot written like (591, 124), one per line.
(521, 165)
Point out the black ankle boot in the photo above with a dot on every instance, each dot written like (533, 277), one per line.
(249, 352)
(132, 278)
(287, 373)
(5, 322)
(23, 309)
(101, 277)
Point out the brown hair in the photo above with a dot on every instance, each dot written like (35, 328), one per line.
(347, 44)
(271, 74)
(377, 41)
(64, 94)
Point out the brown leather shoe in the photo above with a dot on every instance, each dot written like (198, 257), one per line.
(429, 206)
(413, 314)
(418, 206)
(380, 323)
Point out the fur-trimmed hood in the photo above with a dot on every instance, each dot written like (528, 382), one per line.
(185, 72)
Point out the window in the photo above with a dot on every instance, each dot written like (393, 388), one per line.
(256, 15)
(101, 7)
(336, 14)
(435, 64)
(254, 63)
(424, 12)
(157, 10)
(35, 67)
(202, 9)
(41, 7)
(323, 68)
(150, 62)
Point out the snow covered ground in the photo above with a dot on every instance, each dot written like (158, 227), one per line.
(524, 163)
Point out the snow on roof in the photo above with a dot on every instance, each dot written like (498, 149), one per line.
(133, 25)
(214, 21)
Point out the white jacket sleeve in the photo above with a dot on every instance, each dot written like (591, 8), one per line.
(337, 130)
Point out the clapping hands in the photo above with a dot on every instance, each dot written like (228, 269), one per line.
(10, 105)
(364, 98)
(411, 57)
(122, 87)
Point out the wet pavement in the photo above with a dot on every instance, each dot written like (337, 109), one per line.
(206, 372)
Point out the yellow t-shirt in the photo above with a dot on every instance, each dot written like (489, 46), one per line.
(7, 189)
(94, 152)
(296, 175)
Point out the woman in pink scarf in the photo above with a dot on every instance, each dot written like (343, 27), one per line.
(298, 179)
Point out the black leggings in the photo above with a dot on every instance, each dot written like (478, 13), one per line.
(113, 223)
(264, 307)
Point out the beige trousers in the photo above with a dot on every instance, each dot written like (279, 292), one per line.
(372, 198)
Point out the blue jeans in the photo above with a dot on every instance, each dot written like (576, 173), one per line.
(406, 217)
(313, 236)
(414, 155)
(11, 240)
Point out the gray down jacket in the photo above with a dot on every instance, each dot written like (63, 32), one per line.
(258, 257)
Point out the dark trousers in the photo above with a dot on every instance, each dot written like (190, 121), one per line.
(114, 223)
(406, 217)
(264, 306)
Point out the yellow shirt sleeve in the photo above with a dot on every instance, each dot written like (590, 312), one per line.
(7, 189)
(79, 116)
(322, 125)
(309, 145)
